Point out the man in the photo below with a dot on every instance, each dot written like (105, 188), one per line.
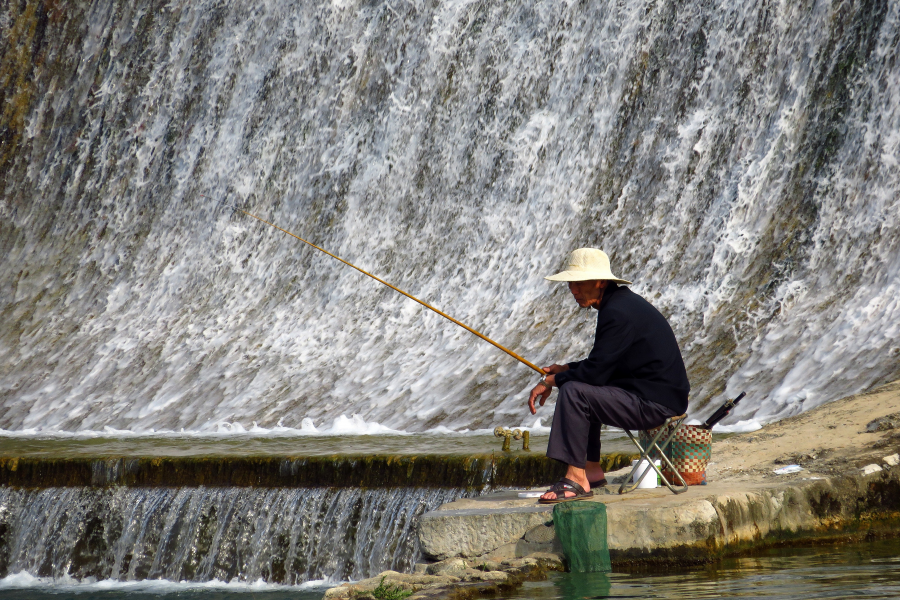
(634, 378)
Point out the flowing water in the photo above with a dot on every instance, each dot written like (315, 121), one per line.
(240, 535)
(739, 162)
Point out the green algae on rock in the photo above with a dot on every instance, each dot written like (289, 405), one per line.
(475, 472)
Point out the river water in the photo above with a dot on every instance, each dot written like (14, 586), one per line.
(865, 570)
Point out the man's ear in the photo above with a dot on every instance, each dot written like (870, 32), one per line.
(603, 283)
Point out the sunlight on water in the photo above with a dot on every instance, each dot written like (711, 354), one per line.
(737, 160)
(870, 570)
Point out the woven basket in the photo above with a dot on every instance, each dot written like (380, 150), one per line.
(690, 451)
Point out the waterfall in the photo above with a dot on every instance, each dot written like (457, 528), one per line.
(738, 161)
(201, 534)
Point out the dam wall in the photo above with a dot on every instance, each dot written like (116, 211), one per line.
(737, 162)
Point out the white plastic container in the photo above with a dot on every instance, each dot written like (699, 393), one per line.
(652, 478)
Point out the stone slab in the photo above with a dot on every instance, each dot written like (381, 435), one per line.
(471, 532)
(658, 526)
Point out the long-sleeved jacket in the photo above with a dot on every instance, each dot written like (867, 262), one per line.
(634, 349)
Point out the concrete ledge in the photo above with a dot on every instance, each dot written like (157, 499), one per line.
(657, 527)
(476, 531)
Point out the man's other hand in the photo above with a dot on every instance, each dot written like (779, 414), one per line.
(541, 391)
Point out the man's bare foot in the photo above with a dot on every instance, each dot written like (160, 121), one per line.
(578, 476)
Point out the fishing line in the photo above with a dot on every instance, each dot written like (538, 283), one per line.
(396, 289)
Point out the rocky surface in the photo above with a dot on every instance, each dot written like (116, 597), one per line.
(452, 579)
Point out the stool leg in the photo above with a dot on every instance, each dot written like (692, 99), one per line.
(622, 488)
(644, 455)
(684, 486)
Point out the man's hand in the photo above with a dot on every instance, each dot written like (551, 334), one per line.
(542, 390)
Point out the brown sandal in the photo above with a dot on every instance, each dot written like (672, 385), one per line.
(566, 485)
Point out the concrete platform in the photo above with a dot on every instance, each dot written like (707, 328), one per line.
(848, 486)
(656, 526)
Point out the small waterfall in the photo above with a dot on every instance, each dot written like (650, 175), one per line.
(200, 534)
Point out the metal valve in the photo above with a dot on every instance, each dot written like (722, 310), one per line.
(511, 434)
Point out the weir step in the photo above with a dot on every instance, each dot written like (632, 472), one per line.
(473, 472)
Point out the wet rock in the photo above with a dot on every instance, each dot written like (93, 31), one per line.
(884, 423)
(543, 533)
(388, 579)
(546, 560)
(476, 575)
(892, 460)
(454, 567)
(485, 565)
(468, 570)
(518, 563)
(869, 469)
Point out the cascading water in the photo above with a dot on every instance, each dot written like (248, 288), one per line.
(283, 536)
(738, 161)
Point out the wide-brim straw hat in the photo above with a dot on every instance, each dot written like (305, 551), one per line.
(587, 264)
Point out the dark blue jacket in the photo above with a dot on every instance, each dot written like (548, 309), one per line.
(634, 349)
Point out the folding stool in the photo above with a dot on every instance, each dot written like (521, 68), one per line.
(667, 430)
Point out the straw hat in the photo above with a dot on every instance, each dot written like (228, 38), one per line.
(587, 264)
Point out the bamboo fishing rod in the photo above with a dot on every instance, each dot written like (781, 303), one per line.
(396, 289)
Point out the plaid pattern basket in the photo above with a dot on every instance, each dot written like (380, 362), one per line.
(690, 451)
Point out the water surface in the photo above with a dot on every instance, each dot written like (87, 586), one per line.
(867, 570)
(247, 445)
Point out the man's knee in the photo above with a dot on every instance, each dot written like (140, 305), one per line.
(575, 395)
(567, 392)
(570, 388)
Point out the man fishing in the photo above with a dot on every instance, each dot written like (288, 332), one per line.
(634, 377)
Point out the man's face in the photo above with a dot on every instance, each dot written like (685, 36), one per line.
(587, 293)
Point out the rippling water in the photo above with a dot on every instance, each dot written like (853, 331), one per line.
(869, 570)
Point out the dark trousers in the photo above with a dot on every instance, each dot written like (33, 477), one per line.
(580, 411)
